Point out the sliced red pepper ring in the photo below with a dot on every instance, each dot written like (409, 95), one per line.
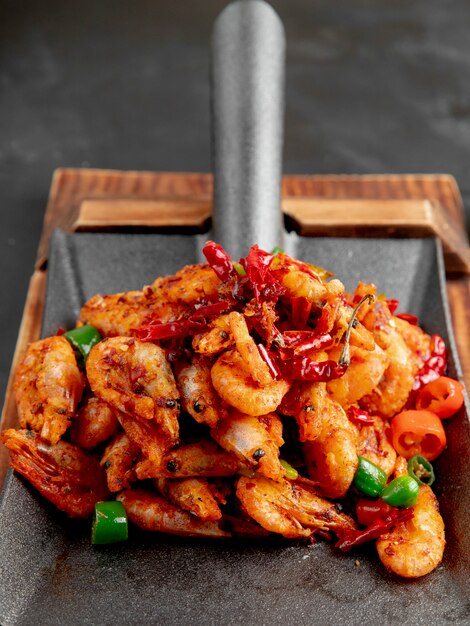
(418, 432)
(359, 416)
(443, 396)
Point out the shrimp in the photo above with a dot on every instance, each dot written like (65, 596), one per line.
(152, 512)
(119, 460)
(198, 395)
(416, 547)
(375, 445)
(289, 508)
(191, 494)
(121, 313)
(246, 346)
(392, 392)
(416, 339)
(95, 422)
(48, 386)
(70, 478)
(135, 378)
(248, 438)
(306, 401)
(203, 458)
(362, 376)
(302, 280)
(216, 339)
(331, 458)
(235, 385)
(191, 284)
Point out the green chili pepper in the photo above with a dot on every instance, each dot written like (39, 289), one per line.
(109, 523)
(369, 479)
(403, 491)
(83, 339)
(421, 470)
(238, 267)
(276, 250)
(291, 472)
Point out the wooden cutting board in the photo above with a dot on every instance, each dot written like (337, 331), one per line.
(356, 206)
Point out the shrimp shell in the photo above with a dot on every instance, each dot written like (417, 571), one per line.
(191, 494)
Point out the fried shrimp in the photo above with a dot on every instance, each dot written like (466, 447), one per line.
(48, 386)
(415, 547)
(375, 445)
(202, 458)
(289, 508)
(191, 494)
(248, 351)
(152, 512)
(95, 422)
(251, 441)
(119, 460)
(331, 457)
(135, 378)
(189, 285)
(198, 395)
(246, 395)
(120, 314)
(70, 478)
(235, 385)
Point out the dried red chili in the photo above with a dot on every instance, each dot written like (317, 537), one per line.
(359, 416)
(303, 368)
(408, 317)
(269, 360)
(219, 260)
(351, 538)
(392, 305)
(434, 366)
(301, 309)
(263, 282)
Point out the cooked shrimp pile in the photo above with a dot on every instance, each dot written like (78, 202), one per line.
(230, 399)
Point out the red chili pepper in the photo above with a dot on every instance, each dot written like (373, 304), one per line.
(351, 538)
(262, 280)
(219, 260)
(297, 343)
(60, 331)
(301, 309)
(368, 511)
(359, 416)
(171, 330)
(393, 305)
(268, 359)
(408, 317)
(303, 368)
(433, 367)
(215, 308)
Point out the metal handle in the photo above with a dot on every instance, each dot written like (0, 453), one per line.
(248, 59)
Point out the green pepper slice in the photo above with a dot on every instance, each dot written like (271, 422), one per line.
(291, 472)
(369, 479)
(109, 523)
(83, 339)
(403, 491)
(421, 470)
(276, 250)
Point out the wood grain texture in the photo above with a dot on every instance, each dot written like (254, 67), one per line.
(81, 199)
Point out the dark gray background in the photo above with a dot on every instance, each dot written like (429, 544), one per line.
(373, 86)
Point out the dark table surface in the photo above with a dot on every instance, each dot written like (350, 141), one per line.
(373, 86)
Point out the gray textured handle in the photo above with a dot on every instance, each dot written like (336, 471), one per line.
(248, 59)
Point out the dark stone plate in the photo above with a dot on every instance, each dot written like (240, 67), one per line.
(50, 574)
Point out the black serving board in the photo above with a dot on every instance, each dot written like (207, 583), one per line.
(50, 574)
